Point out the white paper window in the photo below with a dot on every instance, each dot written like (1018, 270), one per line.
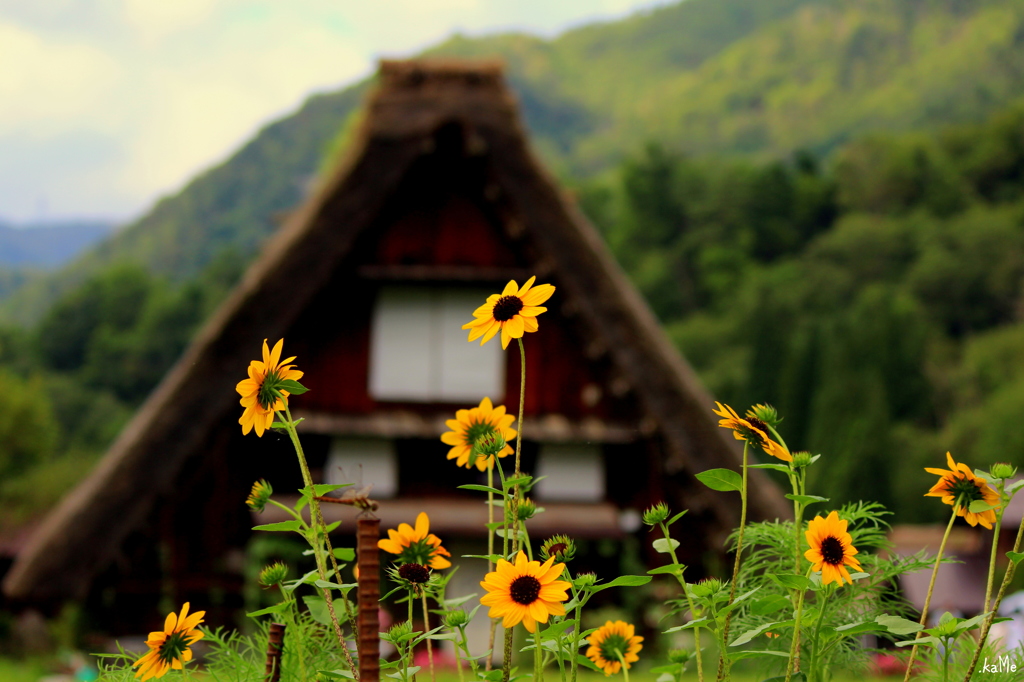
(574, 473)
(362, 461)
(419, 352)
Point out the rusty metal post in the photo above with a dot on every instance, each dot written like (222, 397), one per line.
(368, 558)
(275, 645)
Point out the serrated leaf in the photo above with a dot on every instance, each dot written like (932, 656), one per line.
(723, 480)
(1014, 487)
(317, 609)
(897, 625)
(1015, 557)
(336, 674)
(665, 546)
(806, 499)
(979, 506)
(280, 526)
(623, 581)
(321, 489)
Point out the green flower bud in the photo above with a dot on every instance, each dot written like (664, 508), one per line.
(802, 459)
(400, 630)
(706, 588)
(526, 509)
(489, 445)
(1003, 470)
(656, 514)
(259, 495)
(559, 546)
(585, 580)
(274, 574)
(766, 413)
(456, 618)
(680, 656)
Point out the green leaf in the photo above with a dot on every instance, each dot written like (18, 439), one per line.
(1014, 487)
(278, 425)
(481, 488)
(664, 546)
(897, 625)
(748, 654)
(921, 641)
(317, 609)
(587, 663)
(776, 467)
(795, 677)
(335, 586)
(676, 517)
(321, 489)
(281, 526)
(791, 581)
(344, 553)
(1015, 557)
(512, 482)
(292, 386)
(623, 581)
(751, 634)
(336, 674)
(851, 629)
(672, 569)
(276, 608)
(722, 480)
(979, 506)
(970, 623)
(776, 602)
(806, 499)
(698, 623)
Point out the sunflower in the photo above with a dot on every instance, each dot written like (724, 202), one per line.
(831, 549)
(416, 545)
(170, 648)
(609, 642)
(527, 592)
(513, 311)
(958, 487)
(258, 391)
(469, 426)
(752, 430)
(259, 495)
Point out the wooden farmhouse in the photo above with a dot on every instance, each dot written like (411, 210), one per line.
(439, 203)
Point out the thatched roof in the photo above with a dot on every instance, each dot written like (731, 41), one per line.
(413, 101)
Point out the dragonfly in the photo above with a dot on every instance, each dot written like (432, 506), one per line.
(356, 494)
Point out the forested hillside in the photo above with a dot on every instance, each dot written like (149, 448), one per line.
(710, 77)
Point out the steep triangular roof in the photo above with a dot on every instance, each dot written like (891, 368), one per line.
(414, 100)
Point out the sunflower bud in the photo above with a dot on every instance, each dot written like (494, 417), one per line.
(706, 588)
(802, 459)
(680, 656)
(559, 546)
(456, 618)
(274, 574)
(489, 445)
(1003, 470)
(656, 514)
(400, 630)
(259, 495)
(527, 508)
(766, 413)
(585, 580)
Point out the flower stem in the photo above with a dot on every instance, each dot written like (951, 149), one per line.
(722, 662)
(577, 618)
(931, 588)
(815, 676)
(995, 544)
(1007, 578)
(408, 658)
(490, 554)
(538, 660)
(689, 599)
(794, 649)
(426, 628)
(625, 668)
(507, 662)
(317, 518)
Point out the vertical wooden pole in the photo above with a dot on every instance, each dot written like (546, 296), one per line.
(275, 644)
(367, 536)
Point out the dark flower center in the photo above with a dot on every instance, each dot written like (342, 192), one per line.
(506, 308)
(963, 490)
(414, 573)
(758, 424)
(173, 647)
(832, 551)
(524, 590)
(612, 646)
(557, 548)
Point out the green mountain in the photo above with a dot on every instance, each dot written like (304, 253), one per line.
(735, 77)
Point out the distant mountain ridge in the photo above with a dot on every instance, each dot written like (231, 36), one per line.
(47, 245)
(731, 77)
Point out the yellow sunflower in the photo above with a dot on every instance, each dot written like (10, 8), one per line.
(513, 312)
(257, 391)
(170, 648)
(609, 641)
(469, 426)
(958, 487)
(526, 592)
(831, 549)
(416, 545)
(752, 430)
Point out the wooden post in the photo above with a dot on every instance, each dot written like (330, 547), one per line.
(368, 640)
(275, 644)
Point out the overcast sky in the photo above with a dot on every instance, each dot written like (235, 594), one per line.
(105, 105)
